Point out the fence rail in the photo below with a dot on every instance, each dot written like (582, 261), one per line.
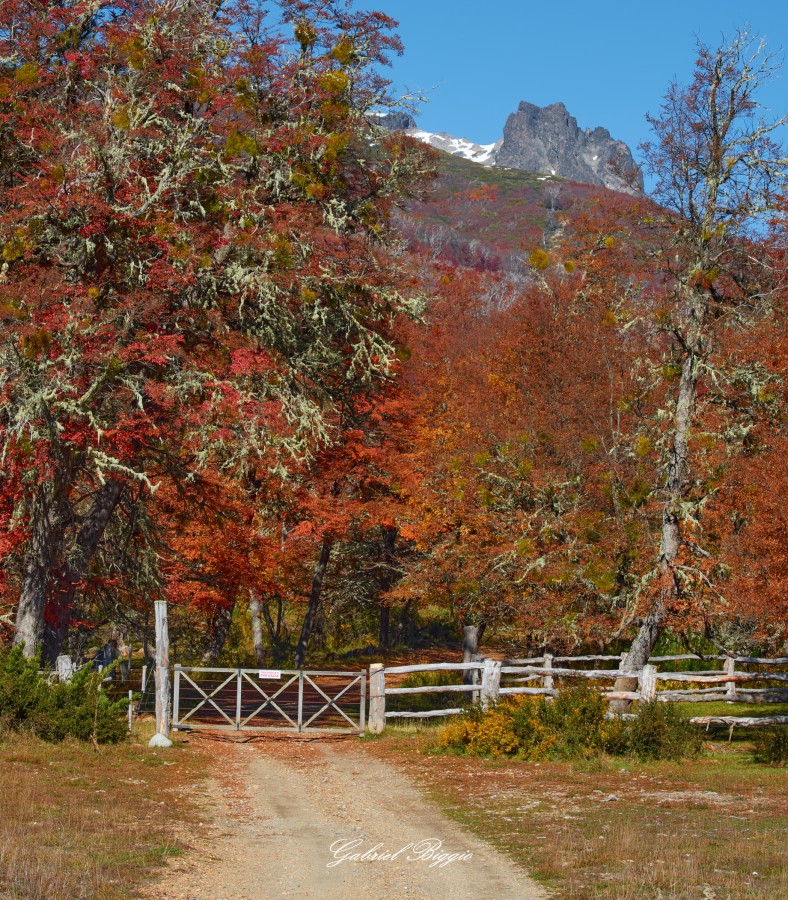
(491, 679)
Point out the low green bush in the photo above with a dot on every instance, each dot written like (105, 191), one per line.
(53, 711)
(771, 746)
(572, 726)
(659, 731)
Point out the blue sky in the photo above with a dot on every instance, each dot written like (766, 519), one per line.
(610, 63)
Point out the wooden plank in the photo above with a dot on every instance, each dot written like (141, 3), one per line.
(586, 658)
(722, 678)
(550, 692)
(746, 721)
(434, 667)
(425, 715)
(570, 673)
(431, 688)
(681, 656)
(778, 661)
(621, 695)
(683, 697)
(779, 694)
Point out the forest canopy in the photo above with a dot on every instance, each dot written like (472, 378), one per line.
(247, 366)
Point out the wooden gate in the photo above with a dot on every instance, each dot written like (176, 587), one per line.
(269, 700)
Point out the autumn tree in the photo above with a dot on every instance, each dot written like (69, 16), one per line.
(718, 171)
(195, 275)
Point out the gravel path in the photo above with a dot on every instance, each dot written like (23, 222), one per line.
(288, 810)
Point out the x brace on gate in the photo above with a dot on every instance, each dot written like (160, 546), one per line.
(216, 698)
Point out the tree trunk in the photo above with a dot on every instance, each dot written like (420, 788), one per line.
(60, 606)
(314, 603)
(383, 631)
(670, 540)
(217, 635)
(42, 548)
(257, 628)
(402, 619)
(471, 638)
(387, 579)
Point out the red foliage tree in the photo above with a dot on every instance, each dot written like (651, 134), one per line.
(193, 226)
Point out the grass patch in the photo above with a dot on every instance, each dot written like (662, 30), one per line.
(75, 823)
(711, 829)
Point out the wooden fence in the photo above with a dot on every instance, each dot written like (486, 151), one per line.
(491, 679)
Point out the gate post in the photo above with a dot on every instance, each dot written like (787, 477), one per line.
(300, 720)
(362, 721)
(377, 698)
(176, 696)
(162, 675)
(239, 688)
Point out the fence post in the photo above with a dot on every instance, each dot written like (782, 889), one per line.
(647, 682)
(729, 668)
(491, 682)
(64, 668)
(162, 676)
(476, 678)
(547, 680)
(377, 698)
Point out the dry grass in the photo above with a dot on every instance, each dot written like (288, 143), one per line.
(76, 823)
(715, 829)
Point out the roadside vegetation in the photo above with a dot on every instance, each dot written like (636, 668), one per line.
(572, 726)
(79, 823)
(36, 703)
(605, 827)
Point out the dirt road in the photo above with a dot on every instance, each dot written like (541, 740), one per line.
(325, 819)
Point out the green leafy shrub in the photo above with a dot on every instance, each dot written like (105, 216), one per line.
(53, 711)
(573, 726)
(659, 731)
(570, 727)
(771, 746)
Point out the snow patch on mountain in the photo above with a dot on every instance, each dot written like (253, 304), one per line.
(478, 153)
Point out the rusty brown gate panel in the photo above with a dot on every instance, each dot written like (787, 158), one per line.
(269, 700)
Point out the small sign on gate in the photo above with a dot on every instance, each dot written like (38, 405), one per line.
(272, 674)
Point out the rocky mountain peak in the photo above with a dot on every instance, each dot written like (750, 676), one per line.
(548, 140)
(542, 139)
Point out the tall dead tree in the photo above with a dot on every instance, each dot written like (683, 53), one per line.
(719, 171)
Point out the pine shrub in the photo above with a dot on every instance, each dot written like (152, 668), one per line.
(659, 731)
(771, 746)
(53, 711)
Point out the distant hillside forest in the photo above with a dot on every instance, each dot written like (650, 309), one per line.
(323, 388)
